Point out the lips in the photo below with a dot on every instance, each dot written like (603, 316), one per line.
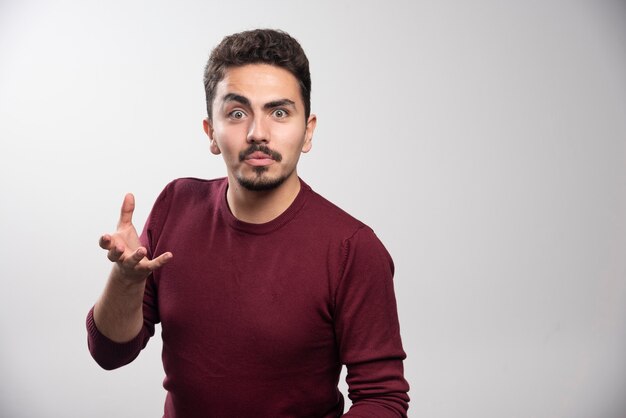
(258, 155)
(259, 159)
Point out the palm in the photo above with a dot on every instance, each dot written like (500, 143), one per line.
(125, 249)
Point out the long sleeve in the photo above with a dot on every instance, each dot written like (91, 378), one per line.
(110, 354)
(367, 329)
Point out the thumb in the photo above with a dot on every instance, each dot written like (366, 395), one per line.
(126, 213)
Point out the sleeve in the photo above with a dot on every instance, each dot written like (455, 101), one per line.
(368, 331)
(108, 353)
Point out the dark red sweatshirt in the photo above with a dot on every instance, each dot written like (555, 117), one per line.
(257, 319)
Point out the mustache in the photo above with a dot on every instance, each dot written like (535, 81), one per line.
(260, 148)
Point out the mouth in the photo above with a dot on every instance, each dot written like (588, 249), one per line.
(259, 159)
(259, 156)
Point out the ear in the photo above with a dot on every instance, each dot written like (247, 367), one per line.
(208, 129)
(308, 133)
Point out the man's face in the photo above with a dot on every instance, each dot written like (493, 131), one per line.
(259, 125)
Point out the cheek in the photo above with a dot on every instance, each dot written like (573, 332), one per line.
(289, 135)
(230, 139)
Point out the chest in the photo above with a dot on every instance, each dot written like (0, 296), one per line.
(229, 295)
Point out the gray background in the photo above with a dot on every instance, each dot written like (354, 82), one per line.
(484, 141)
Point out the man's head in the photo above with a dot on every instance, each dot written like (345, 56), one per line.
(260, 46)
(258, 100)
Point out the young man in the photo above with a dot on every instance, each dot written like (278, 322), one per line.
(262, 287)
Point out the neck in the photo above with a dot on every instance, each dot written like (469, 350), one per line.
(259, 207)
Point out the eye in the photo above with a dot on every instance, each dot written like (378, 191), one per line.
(236, 114)
(280, 113)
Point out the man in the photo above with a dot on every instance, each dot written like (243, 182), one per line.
(263, 288)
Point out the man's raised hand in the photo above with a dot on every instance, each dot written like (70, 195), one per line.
(125, 250)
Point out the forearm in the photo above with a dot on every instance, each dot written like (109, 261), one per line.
(118, 313)
(377, 388)
(368, 332)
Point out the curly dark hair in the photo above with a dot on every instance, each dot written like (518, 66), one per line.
(266, 46)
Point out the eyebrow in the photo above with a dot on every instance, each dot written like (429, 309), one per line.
(279, 103)
(234, 97)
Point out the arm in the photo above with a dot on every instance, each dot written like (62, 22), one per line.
(117, 317)
(368, 331)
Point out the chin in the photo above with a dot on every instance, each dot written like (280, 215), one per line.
(260, 182)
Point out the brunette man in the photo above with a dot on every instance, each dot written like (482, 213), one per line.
(262, 287)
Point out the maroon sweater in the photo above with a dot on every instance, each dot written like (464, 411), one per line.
(257, 319)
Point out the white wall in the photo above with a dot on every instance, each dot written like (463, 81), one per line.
(484, 141)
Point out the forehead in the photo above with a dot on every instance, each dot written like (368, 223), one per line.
(259, 82)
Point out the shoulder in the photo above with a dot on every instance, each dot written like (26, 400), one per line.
(329, 217)
(190, 187)
(330, 220)
(184, 194)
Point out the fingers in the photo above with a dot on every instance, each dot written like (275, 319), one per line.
(137, 259)
(115, 253)
(129, 261)
(138, 255)
(126, 213)
(138, 262)
(156, 263)
(115, 250)
(105, 242)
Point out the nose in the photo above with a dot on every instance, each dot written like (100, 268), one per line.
(258, 131)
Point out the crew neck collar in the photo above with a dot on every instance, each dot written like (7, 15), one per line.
(266, 227)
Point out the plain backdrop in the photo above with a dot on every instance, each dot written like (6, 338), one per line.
(483, 141)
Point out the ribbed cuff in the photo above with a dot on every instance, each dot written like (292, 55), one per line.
(108, 353)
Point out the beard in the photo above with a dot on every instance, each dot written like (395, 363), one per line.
(260, 182)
